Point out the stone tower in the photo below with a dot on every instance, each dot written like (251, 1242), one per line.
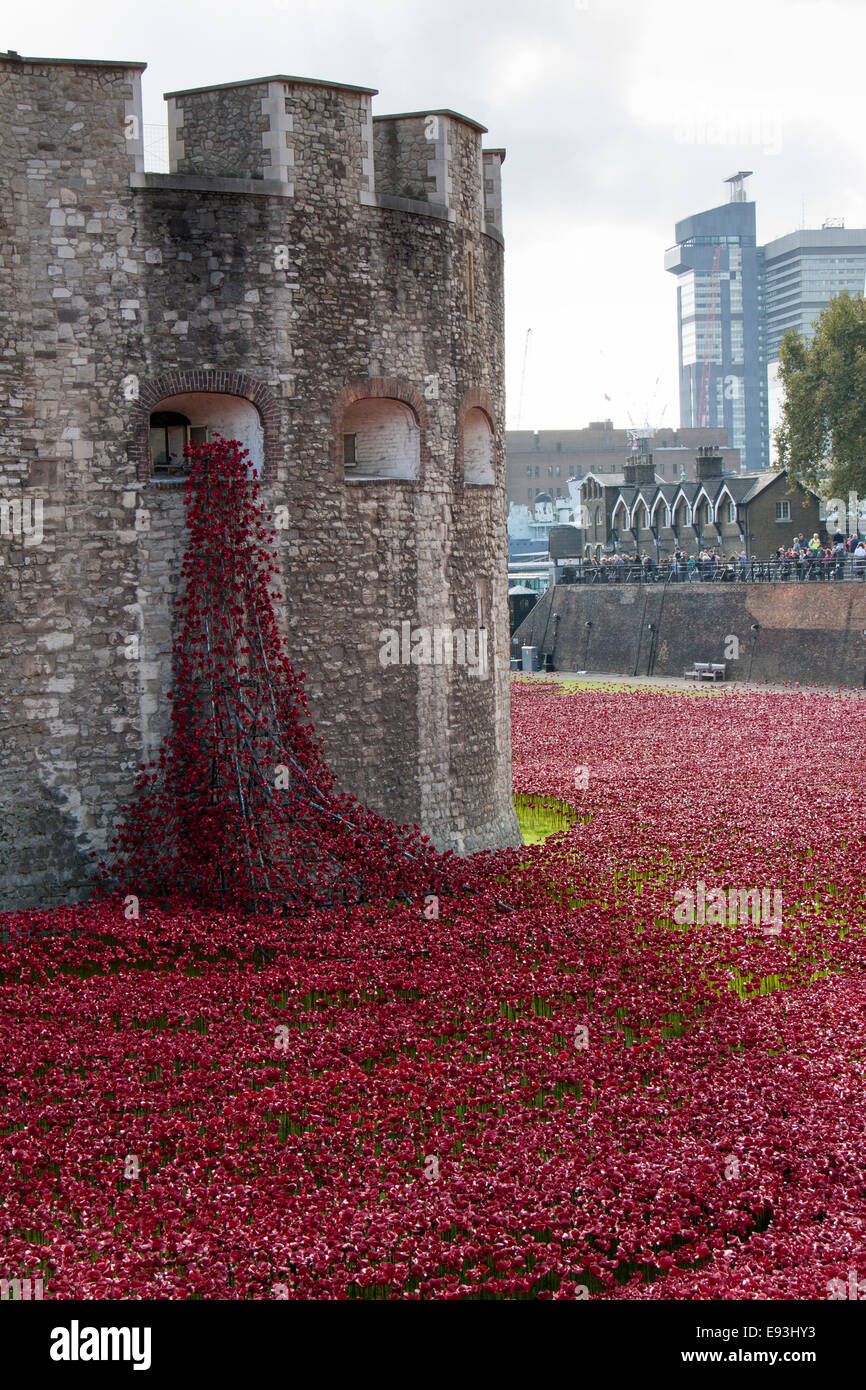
(326, 286)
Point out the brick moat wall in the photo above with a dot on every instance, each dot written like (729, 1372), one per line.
(814, 633)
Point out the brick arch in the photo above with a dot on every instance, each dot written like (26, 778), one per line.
(476, 399)
(388, 388)
(176, 383)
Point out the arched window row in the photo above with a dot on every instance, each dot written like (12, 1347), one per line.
(380, 428)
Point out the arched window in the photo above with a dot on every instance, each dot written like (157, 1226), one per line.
(661, 513)
(681, 514)
(620, 509)
(381, 439)
(195, 418)
(478, 467)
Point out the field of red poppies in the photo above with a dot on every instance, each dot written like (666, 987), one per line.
(546, 1086)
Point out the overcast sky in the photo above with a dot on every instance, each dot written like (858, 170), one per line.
(619, 118)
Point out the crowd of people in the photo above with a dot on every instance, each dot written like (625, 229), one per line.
(841, 558)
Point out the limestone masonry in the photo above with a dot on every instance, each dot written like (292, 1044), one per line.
(326, 286)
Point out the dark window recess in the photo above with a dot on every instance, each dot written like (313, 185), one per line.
(470, 283)
(169, 436)
(349, 456)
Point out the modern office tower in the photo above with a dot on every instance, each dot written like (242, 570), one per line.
(715, 261)
(735, 302)
(800, 274)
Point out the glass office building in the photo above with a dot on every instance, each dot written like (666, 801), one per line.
(735, 302)
(802, 272)
(715, 261)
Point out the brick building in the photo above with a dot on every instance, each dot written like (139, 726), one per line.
(637, 512)
(326, 286)
(544, 460)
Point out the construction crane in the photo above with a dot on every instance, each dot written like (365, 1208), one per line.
(523, 378)
(713, 306)
(645, 431)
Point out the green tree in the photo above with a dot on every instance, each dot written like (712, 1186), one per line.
(821, 440)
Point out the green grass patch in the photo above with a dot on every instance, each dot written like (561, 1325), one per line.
(541, 816)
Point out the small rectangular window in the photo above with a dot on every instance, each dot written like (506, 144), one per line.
(198, 434)
(349, 456)
(470, 283)
(732, 512)
(783, 511)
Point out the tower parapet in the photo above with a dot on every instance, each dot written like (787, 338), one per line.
(434, 157)
(311, 136)
(493, 161)
(57, 112)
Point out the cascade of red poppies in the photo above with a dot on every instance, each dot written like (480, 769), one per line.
(240, 808)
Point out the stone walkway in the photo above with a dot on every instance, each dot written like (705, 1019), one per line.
(677, 682)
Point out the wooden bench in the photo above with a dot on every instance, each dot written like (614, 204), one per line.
(705, 671)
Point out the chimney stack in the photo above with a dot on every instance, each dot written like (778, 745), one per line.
(639, 469)
(708, 463)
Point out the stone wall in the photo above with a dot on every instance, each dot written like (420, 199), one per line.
(403, 153)
(220, 132)
(301, 298)
(814, 633)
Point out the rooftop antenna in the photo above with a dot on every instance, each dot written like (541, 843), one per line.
(738, 185)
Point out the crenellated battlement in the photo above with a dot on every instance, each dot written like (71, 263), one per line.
(311, 136)
(54, 111)
(318, 137)
(432, 156)
(302, 138)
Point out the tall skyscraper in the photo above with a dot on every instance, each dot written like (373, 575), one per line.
(715, 261)
(736, 300)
